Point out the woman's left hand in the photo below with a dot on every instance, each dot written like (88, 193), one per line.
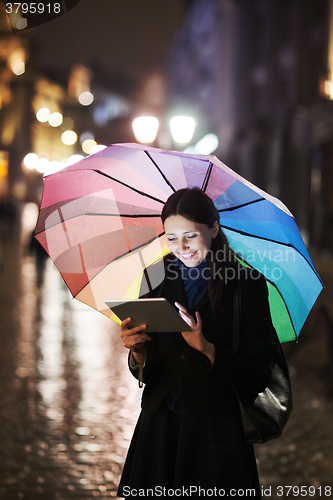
(195, 338)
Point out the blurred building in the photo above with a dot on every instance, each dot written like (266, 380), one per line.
(50, 120)
(259, 74)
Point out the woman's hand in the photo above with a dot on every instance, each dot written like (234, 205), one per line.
(195, 338)
(134, 338)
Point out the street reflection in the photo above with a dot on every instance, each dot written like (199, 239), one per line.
(68, 404)
(77, 403)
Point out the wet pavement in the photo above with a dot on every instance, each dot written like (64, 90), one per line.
(68, 405)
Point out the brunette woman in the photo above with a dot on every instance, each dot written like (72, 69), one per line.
(189, 440)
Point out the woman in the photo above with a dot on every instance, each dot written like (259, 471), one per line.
(189, 441)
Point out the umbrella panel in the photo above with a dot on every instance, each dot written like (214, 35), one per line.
(128, 167)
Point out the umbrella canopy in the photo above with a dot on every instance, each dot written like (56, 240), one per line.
(100, 223)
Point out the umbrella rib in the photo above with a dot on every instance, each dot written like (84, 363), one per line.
(138, 247)
(230, 209)
(239, 231)
(206, 179)
(287, 309)
(129, 216)
(160, 171)
(129, 187)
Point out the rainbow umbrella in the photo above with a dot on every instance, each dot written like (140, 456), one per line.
(100, 223)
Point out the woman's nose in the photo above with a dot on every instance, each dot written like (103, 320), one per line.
(183, 245)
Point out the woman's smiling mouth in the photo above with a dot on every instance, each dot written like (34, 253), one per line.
(188, 255)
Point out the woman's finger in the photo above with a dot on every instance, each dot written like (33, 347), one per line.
(182, 308)
(124, 327)
(185, 315)
(131, 340)
(187, 318)
(199, 321)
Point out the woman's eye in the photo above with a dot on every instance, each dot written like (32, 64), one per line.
(191, 236)
(171, 239)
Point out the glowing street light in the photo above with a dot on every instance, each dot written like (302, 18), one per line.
(145, 129)
(182, 129)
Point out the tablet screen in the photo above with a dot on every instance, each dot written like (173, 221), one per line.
(158, 314)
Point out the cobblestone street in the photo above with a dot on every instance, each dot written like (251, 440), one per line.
(68, 404)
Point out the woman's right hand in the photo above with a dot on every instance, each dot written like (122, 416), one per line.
(134, 338)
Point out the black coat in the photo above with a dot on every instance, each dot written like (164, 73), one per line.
(205, 387)
(205, 445)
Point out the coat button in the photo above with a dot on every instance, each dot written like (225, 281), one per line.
(183, 356)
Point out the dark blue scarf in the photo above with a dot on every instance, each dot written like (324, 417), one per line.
(196, 280)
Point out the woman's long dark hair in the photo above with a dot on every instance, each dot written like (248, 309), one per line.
(195, 205)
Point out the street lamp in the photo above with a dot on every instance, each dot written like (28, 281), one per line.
(145, 129)
(182, 129)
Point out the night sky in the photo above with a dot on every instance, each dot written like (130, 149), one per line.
(130, 37)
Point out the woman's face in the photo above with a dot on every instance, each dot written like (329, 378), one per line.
(188, 240)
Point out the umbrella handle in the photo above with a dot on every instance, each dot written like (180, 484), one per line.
(138, 347)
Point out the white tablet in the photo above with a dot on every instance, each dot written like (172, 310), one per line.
(158, 314)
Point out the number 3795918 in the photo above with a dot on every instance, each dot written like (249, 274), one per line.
(33, 8)
(303, 491)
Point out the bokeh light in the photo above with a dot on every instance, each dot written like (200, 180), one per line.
(22, 23)
(68, 123)
(55, 119)
(74, 159)
(69, 137)
(206, 146)
(19, 68)
(97, 148)
(30, 160)
(86, 98)
(41, 165)
(87, 145)
(182, 129)
(43, 114)
(85, 136)
(145, 129)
